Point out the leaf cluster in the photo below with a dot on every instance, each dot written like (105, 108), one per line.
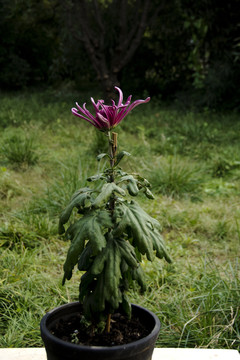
(109, 239)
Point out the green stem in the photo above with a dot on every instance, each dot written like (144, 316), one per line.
(110, 152)
(112, 141)
(112, 149)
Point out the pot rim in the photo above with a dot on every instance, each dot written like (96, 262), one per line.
(56, 340)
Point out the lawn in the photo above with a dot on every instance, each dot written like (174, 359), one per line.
(193, 163)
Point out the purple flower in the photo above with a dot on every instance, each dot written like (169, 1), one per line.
(107, 117)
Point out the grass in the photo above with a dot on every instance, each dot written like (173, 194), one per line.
(19, 151)
(192, 161)
(174, 176)
(205, 313)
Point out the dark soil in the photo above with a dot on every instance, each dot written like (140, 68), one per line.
(123, 331)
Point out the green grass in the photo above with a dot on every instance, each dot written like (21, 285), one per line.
(176, 177)
(199, 307)
(192, 161)
(18, 150)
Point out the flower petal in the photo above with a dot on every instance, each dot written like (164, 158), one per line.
(76, 113)
(125, 111)
(90, 115)
(136, 103)
(110, 113)
(105, 121)
(98, 104)
(94, 104)
(128, 100)
(120, 95)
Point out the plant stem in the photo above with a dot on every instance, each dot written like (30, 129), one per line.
(108, 325)
(112, 153)
(114, 145)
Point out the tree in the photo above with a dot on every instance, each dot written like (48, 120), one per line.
(111, 32)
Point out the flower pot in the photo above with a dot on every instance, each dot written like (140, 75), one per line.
(58, 349)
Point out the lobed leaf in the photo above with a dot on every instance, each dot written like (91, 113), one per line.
(139, 276)
(111, 273)
(143, 229)
(78, 200)
(128, 253)
(107, 191)
(99, 287)
(85, 261)
(90, 227)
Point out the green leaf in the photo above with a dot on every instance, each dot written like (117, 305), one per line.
(148, 193)
(144, 182)
(89, 227)
(132, 185)
(100, 285)
(133, 188)
(104, 218)
(99, 261)
(105, 194)
(126, 305)
(139, 231)
(85, 259)
(85, 284)
(78, 200)
(119, 172)
(139, 276)
(113, 270)
(120, 156)
(96, 177)
(159, 246)
(94, 300)
(128, 253)
(80, 191)
(101, 156)
(112, 274)
(143, 229)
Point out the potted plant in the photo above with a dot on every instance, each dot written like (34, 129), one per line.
(108, 240)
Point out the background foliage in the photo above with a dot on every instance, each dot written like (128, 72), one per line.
(188, 51)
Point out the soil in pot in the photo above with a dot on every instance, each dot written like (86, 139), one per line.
(123, 331)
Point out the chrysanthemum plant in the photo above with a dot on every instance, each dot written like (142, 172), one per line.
(113, 233)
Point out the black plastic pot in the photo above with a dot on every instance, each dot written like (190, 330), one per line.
(58, 349)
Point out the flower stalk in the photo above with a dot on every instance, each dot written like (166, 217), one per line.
(112, 139)
(108, 325)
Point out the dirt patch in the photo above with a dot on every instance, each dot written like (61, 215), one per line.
(123, 331)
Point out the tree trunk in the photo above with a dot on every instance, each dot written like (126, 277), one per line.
(108, 82)
(110, 34)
